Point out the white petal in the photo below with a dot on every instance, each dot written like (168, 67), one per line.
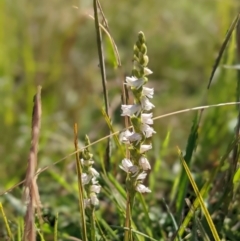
(87, 203)
(146, 104)
(94, 180)
(147, 130)
(142, 189)
(95, 188)
(144, 163)
(135, 137)
(142, 176)
(147, 118)
(126, 164)
(87, 162)
(86, 178)
(94, 200)
(93, 172)
(134, 170)
(148, 92)
(129, 110)
(123, 136)
(128, 136)
(147, 71)
(144, 148)
(134, 82)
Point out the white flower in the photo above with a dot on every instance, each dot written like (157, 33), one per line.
(87, 162)
(128, 166)
(94, 200)
(95, 188)
(123, 136)
(94, 180)
(134, 82)
(148, 92)
(134, 170)
(144, 148)
(142, 189)
(146, 118)
(142, 176)
(147, 71)
(144, 163)
(146, 104)
(87, 203)
(86, 178)
(129, 110)
(128, 136)
(93, 172)
(135, 137)
(147, 130)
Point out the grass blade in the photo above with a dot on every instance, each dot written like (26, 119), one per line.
(198, 194)
(56, 228)
(183, 181)
(6, 222)
(104, 78)
(224, 44)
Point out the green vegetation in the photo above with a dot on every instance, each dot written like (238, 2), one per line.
(194, 177)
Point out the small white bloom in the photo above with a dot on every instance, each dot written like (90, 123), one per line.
(146, 118)
(129, 110)
(144, 163)
(134, 170)
(142, 176)
(87, 203)
(95, 188)
(135, 137)
(128, 136)
(147, 130)
(148, 92)
(128, 166)
(147, 71)
(93, 172)
(82, 161)
(134, 82)
(144, 148)
(87, 162)
(124, 136)
(94, 180)
(142, 189)
(146, 104)
(86, 178)
(94, 200)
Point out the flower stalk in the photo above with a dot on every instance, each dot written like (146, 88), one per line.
(91, 186)
(138, 139)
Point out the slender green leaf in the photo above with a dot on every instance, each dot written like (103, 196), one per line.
(198, 194)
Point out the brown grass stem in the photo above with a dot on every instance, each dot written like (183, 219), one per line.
(31, 194)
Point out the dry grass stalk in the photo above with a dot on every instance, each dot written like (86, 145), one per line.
(31, 194)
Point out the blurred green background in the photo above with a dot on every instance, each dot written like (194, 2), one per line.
(53, 44)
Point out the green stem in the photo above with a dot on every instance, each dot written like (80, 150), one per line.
(128, 231)
(103, 74)
(93, 225)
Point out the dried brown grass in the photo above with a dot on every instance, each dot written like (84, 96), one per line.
(31, 194)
